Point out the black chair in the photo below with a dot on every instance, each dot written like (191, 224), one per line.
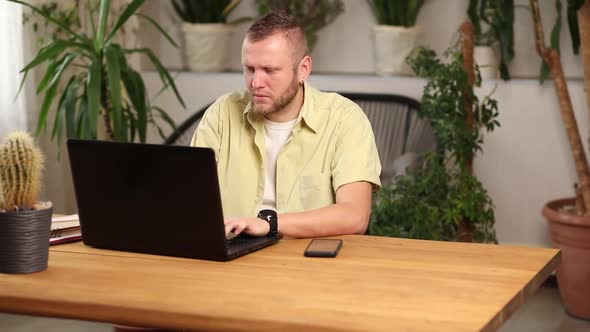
(184, 133)
(401, 136)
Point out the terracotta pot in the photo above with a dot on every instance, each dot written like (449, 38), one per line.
(571, 234)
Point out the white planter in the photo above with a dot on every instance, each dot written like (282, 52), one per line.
(206, 46)
(487, 59)
(393, 44)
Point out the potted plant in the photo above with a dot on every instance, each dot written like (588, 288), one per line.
(396, 34)
(433, 200)
(206, 32)
(24, 222)
(312, 15)
(494, 33)
(99, 81)
(569, 221)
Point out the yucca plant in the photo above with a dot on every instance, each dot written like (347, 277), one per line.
(204, 11)
(396, 12)
(102, 82)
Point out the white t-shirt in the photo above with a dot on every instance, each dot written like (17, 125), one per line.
(277, 134)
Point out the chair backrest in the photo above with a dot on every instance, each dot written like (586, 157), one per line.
(400, 134)
(184, 133)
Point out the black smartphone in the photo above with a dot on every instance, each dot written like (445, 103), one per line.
(323, 248)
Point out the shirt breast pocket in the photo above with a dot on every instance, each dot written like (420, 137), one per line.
(316, 191)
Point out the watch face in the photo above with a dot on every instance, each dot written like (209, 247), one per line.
(271, 217)
(268, 215)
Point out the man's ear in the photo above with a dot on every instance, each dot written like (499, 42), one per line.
(304, 68)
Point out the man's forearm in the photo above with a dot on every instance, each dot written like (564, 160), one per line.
(334, 219)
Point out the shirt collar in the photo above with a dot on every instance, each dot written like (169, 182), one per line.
(307, 112)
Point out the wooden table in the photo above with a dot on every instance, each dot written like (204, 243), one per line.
(375, 283)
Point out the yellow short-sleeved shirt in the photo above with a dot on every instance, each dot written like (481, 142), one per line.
(332, 144)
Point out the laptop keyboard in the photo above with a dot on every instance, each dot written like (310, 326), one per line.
(241, 242)
(246, 243)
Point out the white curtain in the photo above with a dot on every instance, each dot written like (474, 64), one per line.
(12, 111)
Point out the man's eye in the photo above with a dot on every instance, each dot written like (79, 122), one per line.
(249, 69)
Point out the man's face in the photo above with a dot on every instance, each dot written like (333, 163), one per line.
(270, 73)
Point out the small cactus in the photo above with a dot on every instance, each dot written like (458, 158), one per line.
(20, 172)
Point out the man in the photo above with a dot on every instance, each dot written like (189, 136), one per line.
(282, 145)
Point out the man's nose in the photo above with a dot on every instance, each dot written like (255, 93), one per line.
(257, 80)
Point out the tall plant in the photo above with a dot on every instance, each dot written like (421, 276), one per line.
(102, 82)
(396, 12)
(552, 58)
(312, 15)
(431, 202)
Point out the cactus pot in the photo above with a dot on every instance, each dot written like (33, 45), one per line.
(24, 240)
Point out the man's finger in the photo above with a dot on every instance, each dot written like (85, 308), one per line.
(228, 228)
(240, 228)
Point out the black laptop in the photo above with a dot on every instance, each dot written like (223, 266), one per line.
(155, 199)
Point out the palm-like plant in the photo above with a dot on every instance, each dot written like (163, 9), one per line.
(103, 84)
(204, 11)
(396, 12)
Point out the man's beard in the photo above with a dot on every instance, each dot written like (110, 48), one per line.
(279, 103)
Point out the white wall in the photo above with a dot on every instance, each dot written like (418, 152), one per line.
(346, 46)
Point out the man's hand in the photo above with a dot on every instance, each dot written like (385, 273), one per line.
(250, 226)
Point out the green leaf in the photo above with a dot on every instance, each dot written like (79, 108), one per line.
(472, 14)
(137, 94)
(61, 111)
(70, 107)
(555, 32)
(103, 15)
(228, 9)
(157, 26)
(94, 92)
(129, 10)
(48, 52)
(572, 19)
(163, 72)
(82, 127)
(165, 117)
(68, 58)
(114, 81)
(47, 101)
(49, 72)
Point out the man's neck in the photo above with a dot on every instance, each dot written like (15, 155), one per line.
(291, 111)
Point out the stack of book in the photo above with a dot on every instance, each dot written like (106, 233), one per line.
(65, 229)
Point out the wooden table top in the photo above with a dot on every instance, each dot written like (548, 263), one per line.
(375, 283)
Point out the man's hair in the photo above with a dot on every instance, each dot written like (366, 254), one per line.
(280, 22)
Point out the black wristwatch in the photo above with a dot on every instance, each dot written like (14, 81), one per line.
(270, 216)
